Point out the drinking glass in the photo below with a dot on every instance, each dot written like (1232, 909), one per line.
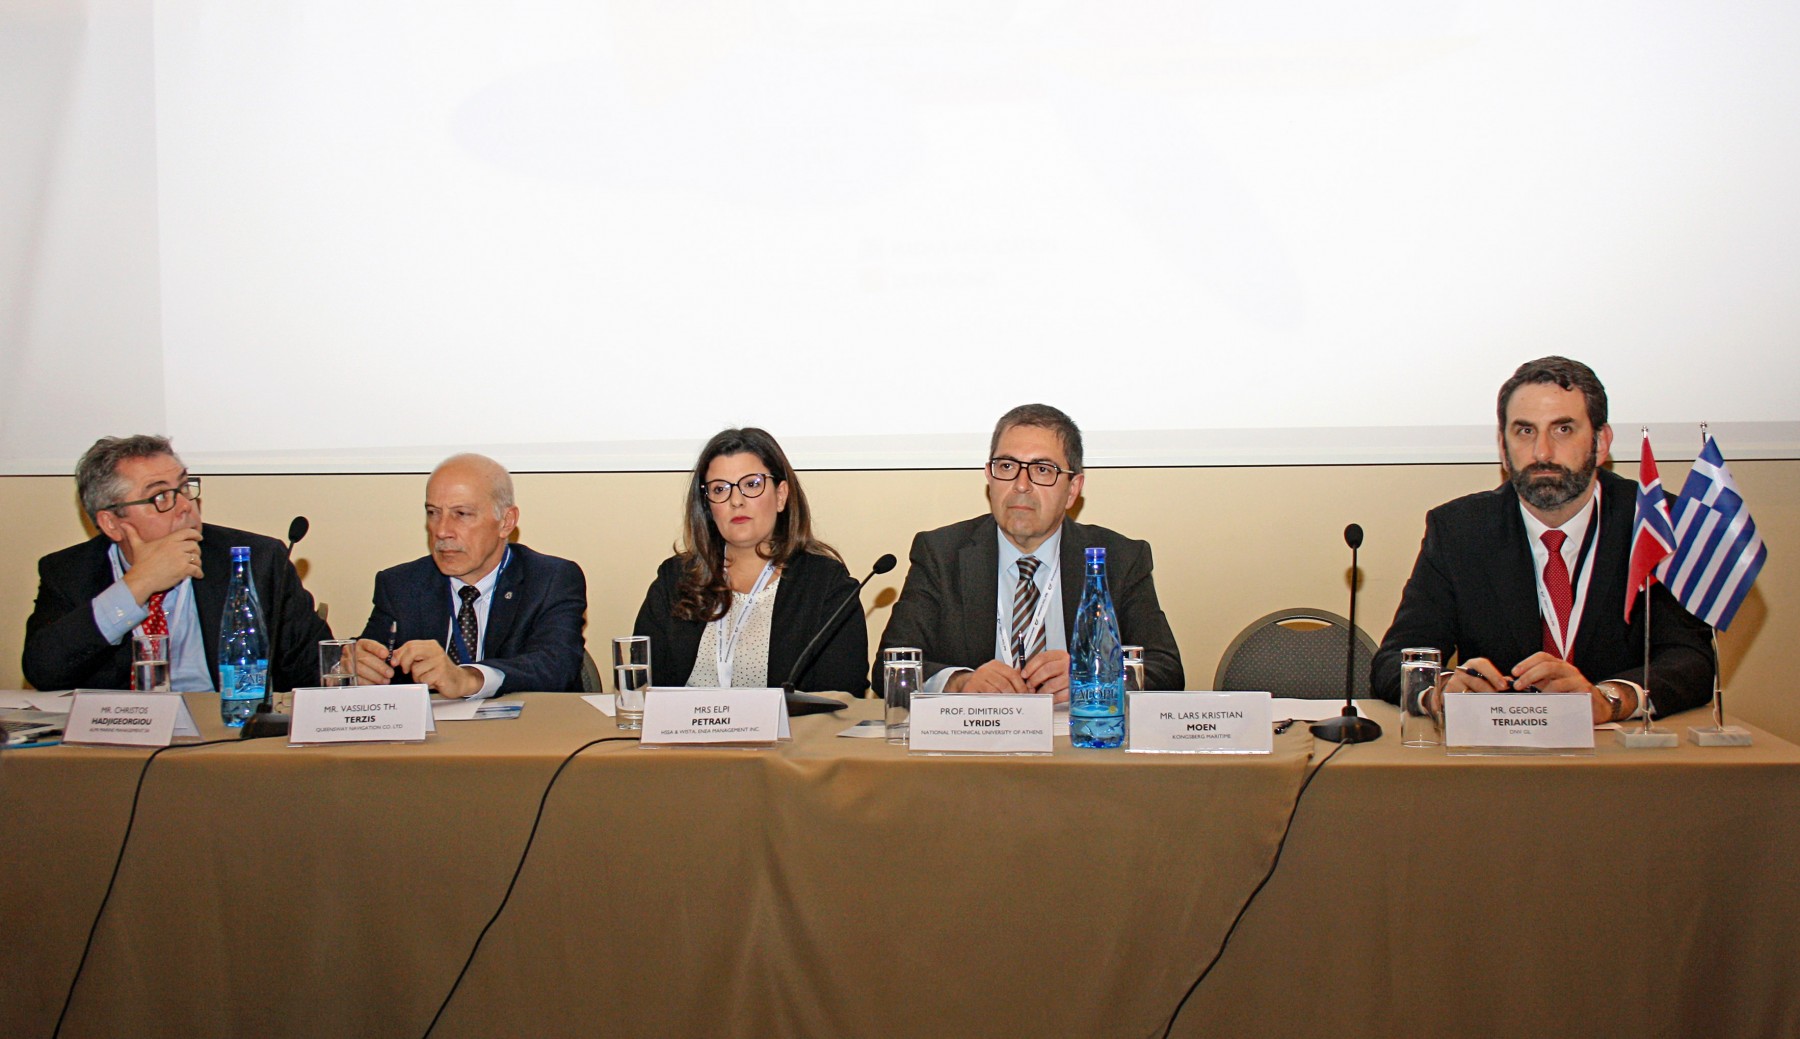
(150, 663)
(1134, 668)
(631, 679)
(337, 663)
(900, 679)
(1419, 670)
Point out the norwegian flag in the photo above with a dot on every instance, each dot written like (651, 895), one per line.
(1652, 535)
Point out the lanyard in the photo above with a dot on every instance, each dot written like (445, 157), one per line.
(1583, 576)
(725, 653)
(1015, 651)
(456, 639)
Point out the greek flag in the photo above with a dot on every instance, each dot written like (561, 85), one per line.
(1717, 550)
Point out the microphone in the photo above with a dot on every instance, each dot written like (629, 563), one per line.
(1349, 727)
(296, 531)
(810, 703)
(266, 722)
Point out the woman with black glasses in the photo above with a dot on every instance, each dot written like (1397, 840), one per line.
(749, 585)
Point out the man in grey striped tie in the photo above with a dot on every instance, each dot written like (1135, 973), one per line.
(991, 600)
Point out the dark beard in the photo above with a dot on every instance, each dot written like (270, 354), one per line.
(1550, 495)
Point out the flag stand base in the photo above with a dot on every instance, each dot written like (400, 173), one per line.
(1720, 736)
(1647, 739)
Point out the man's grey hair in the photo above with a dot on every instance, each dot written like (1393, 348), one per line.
(1045, 417)
(97, 474)
(500, 485)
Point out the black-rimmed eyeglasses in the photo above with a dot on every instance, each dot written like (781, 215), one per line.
(751, 486)
(1044, 474)
(163, 501)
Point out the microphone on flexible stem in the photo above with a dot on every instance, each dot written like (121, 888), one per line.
(1349, 727)
(266, 722)
(296, 531)
(811, 703)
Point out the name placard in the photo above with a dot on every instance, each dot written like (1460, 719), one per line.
(965, 723)
(361, 714)
(1200, 723)
(113, 719)
(735, 716)
(1518, 721)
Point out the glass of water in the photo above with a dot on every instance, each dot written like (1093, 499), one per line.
(150, 663)
(1134, 668)
(1419, 670)
(631, 679)
(900, 679)
(337, 663)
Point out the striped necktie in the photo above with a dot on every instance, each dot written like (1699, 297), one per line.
(1025, 604)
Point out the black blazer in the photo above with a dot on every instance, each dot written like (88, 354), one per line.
(64, 648)
(1473, 593)
(534, 622)
(812, 587)
(951, 595)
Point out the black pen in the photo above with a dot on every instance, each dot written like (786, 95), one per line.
(393, 639)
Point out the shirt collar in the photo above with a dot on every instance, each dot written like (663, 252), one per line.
(1047, 554)
(1576, 527)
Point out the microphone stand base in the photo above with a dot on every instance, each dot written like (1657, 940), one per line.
(799, 703)
(263, 725)
(1348, 727)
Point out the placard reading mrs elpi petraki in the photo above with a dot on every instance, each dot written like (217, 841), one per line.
(361, 714)
(689, 716)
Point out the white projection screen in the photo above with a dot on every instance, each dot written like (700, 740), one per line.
(355, 235)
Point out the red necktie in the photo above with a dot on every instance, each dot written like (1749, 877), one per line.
(158, 621)
(1556, 583)
(155, 624)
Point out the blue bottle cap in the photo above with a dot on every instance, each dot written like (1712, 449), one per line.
(240, 553)
(1096, 555)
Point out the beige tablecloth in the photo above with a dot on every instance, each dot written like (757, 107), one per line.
(837, 887)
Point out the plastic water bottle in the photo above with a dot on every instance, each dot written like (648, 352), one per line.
(1096, 664)
(243, 645)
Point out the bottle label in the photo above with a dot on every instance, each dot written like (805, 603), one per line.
(243, 682)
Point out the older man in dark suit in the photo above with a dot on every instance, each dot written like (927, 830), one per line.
(155, 567)
(479, 616)
(1027, 554)
(1527, 583)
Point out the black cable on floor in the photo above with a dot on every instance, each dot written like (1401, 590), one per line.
(130, 821)
(1245, 908)
(520, 868)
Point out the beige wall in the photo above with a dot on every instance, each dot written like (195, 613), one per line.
(1231, 543)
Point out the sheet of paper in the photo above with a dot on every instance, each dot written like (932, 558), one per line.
(872, 729)
(603, 702)
(454, 710)
(11, 698)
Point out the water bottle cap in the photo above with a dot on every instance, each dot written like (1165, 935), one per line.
(240, 553)
(1096, 555)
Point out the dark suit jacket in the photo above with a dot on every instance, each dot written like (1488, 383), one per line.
(64, 648)
(812, 586)
(533, 634)
(1473, 593)
(951, 595)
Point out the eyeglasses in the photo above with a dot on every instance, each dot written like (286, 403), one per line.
(163, 501)
(751, 486)
(1044, 474)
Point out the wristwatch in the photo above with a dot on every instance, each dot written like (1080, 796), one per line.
(1614, 702)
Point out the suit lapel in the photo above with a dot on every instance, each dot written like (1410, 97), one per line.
(978, 567)
(209, 593)
(1515, 581)
(503, 611)
(1074, 572)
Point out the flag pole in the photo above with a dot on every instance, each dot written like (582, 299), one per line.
(1646, 703)
(1718, 686)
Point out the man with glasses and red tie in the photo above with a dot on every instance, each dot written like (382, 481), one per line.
(155, 568)
(991, 600)
(480, 615)
(1527, 582)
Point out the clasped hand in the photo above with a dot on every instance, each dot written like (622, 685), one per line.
(1048, 672)
(424, 659)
